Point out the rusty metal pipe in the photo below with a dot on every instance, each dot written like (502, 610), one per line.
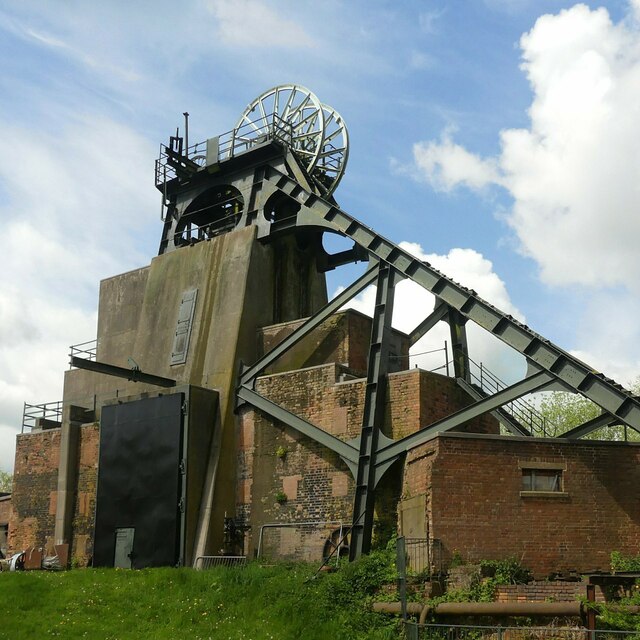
(512, 609)
(551, 609)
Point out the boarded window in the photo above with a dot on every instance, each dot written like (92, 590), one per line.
(183, 328)
(548, 480)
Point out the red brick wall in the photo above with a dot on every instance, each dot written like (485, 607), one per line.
(343, 338)
(5, 509)
(313, 478)
(34, 500)
(85, 497)
(475, 507)
(546, 591)
(35, 489)
(318, 485)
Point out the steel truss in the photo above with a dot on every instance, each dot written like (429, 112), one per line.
(371, 454)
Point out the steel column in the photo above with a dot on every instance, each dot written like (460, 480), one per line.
(459, 345)
(373, 415)
(428, 323)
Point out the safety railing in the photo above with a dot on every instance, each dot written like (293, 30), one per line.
(250, 134)
(85, 350)
(424, 556)
(433, 360)
(192, 233)
(52, 411)
(416, 631)
(35, 414)
(230, 144)
(308, 541)
(524, 412)
(212, 562)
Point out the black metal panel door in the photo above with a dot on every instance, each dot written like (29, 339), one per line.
(139, 480)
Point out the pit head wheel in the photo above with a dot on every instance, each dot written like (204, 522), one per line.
(333, 157)
(315, 132)
(290, 113)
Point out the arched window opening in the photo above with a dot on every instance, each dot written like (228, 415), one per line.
(215, 211)
(281, 208)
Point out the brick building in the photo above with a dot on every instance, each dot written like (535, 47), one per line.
(223, 383)
(465, 490)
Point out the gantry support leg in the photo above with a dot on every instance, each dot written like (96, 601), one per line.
(459, 346)
(373, 416)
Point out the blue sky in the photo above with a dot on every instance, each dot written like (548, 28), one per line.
(497, 136)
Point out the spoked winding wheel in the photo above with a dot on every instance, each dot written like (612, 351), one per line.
(315, 132)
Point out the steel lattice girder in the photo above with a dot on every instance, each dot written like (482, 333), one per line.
(571, 373)
(513, 425)
(369, 456)
(248, 376)
(373, 413)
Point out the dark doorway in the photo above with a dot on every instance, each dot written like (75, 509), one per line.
(138, 514)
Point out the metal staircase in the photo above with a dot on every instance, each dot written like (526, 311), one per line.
(519, 415)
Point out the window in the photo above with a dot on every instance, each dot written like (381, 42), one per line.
(542, 479)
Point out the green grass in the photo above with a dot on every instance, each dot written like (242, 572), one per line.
(254, 602)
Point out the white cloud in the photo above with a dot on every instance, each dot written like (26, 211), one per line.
(70, 204)
(447, 165)
(607, 335)
(413, 303)
(574, 174)
(251, 23)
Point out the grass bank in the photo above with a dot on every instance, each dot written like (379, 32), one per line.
(256, 602)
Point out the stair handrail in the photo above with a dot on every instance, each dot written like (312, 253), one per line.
(523, 411)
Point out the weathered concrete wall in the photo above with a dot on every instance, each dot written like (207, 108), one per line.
(119, 312)
(297, 287)
(242, 285)
(472, 490)
(138, 315)
(236, 279)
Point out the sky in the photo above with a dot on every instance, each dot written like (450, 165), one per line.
(497, 139)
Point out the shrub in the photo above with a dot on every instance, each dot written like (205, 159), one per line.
(620, 562)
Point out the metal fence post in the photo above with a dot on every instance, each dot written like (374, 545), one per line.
(591, 612)
(411, 630)
(401, 567)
